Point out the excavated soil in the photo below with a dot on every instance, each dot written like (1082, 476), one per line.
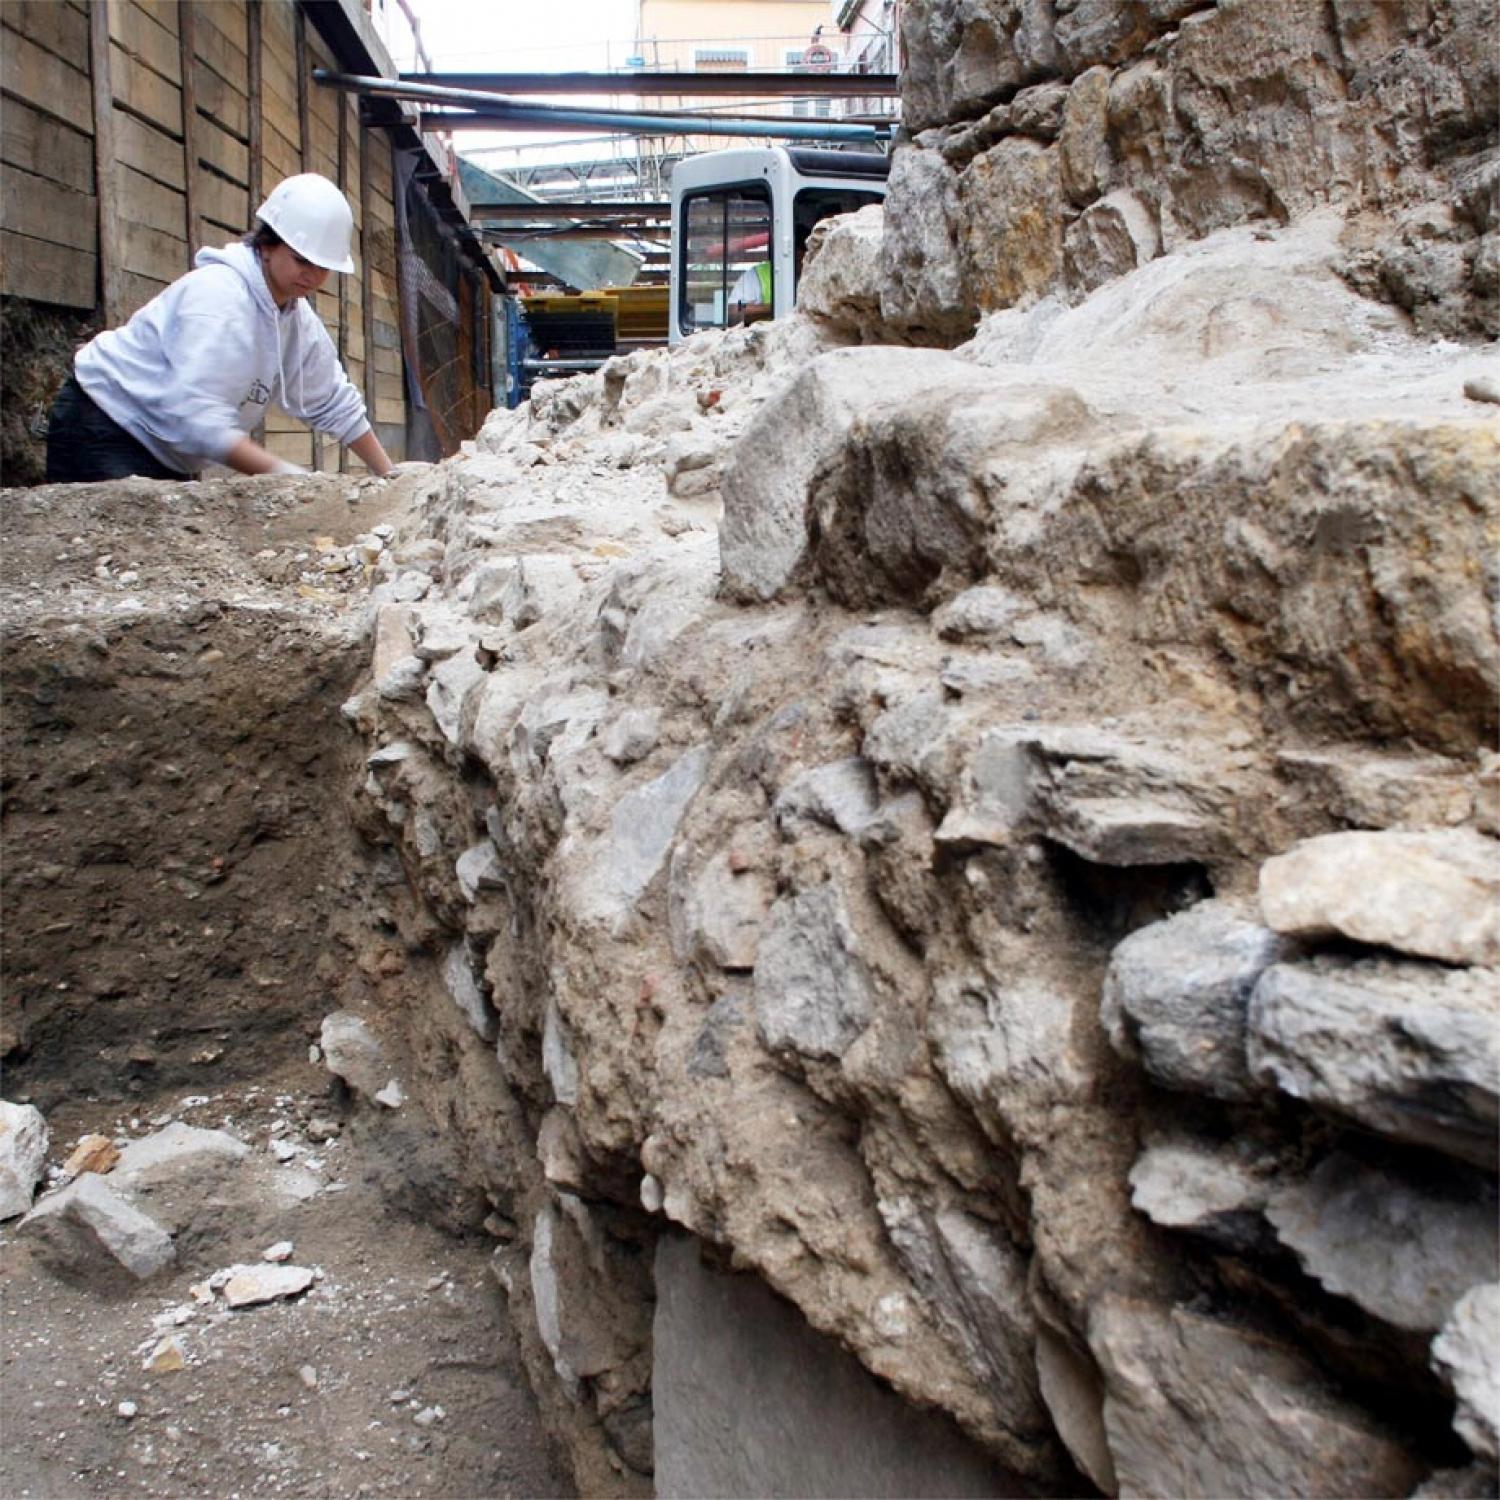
(184, 900)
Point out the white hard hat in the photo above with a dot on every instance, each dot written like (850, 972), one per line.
(313, 217)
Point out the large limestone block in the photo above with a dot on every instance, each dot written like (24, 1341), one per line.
(961, 56)
(1408, 1049)
(1467, 1355)
(923, 292)
(840, 281)
(749, 1400)
(89, 1230)
(763, 536)
(813, 991)
(1010, 234)
(1404, 1251)
(23, 1153)
(1195, 1407)
(1436, 895)
(923, 481)
(1177, 992)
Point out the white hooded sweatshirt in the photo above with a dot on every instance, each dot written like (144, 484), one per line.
(194, 370)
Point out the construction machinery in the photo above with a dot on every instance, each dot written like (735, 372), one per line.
(740, 222)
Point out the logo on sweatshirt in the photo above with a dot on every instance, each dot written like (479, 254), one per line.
(258, 394)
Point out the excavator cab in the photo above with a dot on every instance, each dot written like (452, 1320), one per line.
(740, 225)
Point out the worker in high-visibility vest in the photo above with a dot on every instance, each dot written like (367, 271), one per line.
(751, 296)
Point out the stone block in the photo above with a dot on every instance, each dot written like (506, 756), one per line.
(1410, 1050)
(1405, 1251)
(23, 1153)
(1434, 894)
(750, 1400)
(1177, 993)
(88, 1230)
(1198, 1407)
(1467, 1355)
(813, 992)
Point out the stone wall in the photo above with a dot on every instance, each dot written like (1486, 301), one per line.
(1055, 145)
(999, 846)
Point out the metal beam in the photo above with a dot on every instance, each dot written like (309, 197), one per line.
(558, 209)
(505, 112)
(641, 83)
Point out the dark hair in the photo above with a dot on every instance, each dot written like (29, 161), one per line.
(262, 237)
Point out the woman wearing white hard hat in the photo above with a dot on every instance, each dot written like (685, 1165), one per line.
(185, 381)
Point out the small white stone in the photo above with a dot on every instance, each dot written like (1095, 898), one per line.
(281, 1250)
(315, 1053)
(127, 1409)
(428, 1415)
(393, 1096)
(308, 1376)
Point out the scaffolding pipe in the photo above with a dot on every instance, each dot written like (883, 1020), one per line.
(500, 110)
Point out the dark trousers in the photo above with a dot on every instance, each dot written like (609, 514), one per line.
(84, 443)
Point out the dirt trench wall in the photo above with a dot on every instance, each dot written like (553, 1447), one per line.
(175, 832)
(1055, 146)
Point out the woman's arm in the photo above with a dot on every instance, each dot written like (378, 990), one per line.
(368, 449)
(249, 457)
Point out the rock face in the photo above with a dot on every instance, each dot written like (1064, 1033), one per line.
(1057, 146)
(864, 897)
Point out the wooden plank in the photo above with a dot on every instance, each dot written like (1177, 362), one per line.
(137, 290)
(299, 63)
(221, 151)
(224, 202)
(281, 112)
(43, 272)
(62, 29)
(163, 12)
(253, 53)
(280, 157)
(152, 252)
(221, 102)
(37, 77)
(35, 143)
(43, 210)
(388, 409)
(147, 39)
(228, 19)
(190, 127)
(145, 92)
(106, 153)
(148, 150)
(143, 201)
(366, 152)
(217, 51)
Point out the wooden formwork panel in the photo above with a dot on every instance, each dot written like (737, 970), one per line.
(46, 272)
(148, 151)
(224, 203)
(223, 152)
(148, 38)
(47, 211)
(144, 92)
(49, 83)
(36, 143)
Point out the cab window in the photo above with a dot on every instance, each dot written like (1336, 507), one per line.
(727, 272)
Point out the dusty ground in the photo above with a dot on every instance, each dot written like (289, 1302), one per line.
(184, 899)
(395, 1374)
